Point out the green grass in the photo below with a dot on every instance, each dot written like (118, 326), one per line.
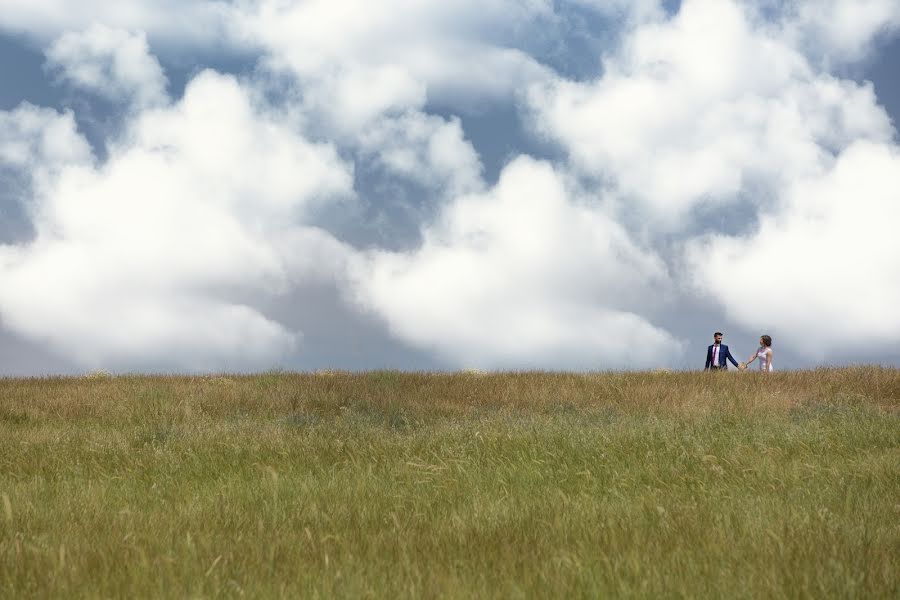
(425, 485)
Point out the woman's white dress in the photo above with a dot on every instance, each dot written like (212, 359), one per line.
(761, 359)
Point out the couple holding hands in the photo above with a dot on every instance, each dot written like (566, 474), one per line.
(717, 354)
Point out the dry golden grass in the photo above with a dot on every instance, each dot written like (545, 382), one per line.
(393, 484)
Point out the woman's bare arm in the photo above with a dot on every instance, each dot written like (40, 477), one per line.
(768, 359)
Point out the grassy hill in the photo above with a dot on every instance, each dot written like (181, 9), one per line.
(465, 485)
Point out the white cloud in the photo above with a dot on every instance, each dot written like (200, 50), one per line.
(841, 31)
(178, 22)
(522, 276)
(111, 63)
(352, 98)
(357, 60)
(174, 250)
(821, 273)
(719, 108)
(693, 110)
(32, 136)
(426, 149)
(154, 258)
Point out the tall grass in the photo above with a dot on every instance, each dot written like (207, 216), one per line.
(389, 484)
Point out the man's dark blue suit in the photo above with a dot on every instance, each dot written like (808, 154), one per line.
(723, 354)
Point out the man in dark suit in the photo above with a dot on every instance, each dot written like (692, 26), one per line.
(717, 354)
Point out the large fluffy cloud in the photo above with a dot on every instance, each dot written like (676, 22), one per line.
(179, 22)
(154, 257)
(722, 111)
(715, 155)
(840, 31)
(363, 58)
(112, 63)
(35, 140)
(524, 275)
(426, 149)
(821, 271)
(697, 110)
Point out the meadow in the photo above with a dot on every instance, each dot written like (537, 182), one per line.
(463, 485)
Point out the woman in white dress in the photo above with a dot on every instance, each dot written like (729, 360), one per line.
(764, 354)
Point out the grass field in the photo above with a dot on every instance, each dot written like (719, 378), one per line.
(452, 485)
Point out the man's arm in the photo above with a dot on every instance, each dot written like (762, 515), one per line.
(731, 358)
(708, 359)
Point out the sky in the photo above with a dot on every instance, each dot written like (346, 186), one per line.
(201, 186)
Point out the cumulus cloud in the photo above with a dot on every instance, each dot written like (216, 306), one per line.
(179, 248)
(154, 257)
(721, 109)
(112, 63)
(693, 111)
(426, 149)
(837, 32)
(821, 272)
(185, 23)
(352, 98)
(523, 275)
(31, 136)
(357, 60)
(35, 145)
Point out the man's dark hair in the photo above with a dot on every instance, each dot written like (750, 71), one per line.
(767, 340)
(717, 333)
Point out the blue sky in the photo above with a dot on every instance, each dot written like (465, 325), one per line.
(213, 186)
